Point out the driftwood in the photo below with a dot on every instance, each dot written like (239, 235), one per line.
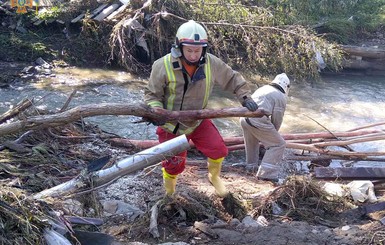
(364, 58)
(79, 112)
(229, 141)
(22, 106)
(88, 180)
(365, 52)
(357, 173)
(312, 142)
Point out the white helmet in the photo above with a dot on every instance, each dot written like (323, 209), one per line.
(191, 33)
(283, 81)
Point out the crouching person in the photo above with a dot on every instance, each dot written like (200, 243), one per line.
(272, 98)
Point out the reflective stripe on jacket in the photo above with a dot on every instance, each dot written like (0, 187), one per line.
(166, 87)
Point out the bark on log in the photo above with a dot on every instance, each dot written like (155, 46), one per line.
(366, 52)
(369, 59)
(79, 112)
(313, 148)
(236, 141)
(125, 166)
(350, 141)
(20, 107)
(314, 144)
(364, 64)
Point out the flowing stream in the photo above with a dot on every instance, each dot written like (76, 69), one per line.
(336, 103)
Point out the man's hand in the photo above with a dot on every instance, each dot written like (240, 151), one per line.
(250, 104)
(154, 122)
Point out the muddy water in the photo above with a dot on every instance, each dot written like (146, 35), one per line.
(336, 103)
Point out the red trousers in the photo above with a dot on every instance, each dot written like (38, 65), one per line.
(206, 139)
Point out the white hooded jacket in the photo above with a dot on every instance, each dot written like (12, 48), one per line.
(273, 102)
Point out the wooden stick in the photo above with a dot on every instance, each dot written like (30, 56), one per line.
(20, 107)
(305, 138)
(367, 126)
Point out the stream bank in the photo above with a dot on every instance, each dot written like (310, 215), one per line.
(297, 213)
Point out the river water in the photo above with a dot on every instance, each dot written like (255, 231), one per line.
(335, 103)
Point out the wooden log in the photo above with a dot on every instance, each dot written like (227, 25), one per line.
(351, 141)
(367, 126)
(364, 64)
(106, 12)
(140, 110)
(358, 173)
(94, 12)
(118, 11)
(331, 152)
(125, 166)
(365, 52)
(306, 138)
(79, 17)
(20, 107)
(98, 10)
(327, 157)
(356, 156)
(328, 135)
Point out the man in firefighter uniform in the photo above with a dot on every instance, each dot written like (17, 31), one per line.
(184, 80)
(272, 98)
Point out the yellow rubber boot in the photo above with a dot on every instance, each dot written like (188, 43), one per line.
(215, 167)
(169, 182)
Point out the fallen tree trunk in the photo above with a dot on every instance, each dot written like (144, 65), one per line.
(229, 141)
(125, 166)
(365, 52)
(311, 142)
(79, 112)
(370, 60)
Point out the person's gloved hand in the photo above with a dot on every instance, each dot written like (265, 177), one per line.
(250, 104)
(154, 122)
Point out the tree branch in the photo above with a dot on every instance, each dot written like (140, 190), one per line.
(141, 110)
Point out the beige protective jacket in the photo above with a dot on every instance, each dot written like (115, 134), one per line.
(273, 102)
(166, 87)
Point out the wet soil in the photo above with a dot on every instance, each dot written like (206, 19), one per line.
(256, 212)
(197, 198)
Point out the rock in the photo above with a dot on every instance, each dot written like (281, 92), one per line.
(28, 69)
(112, 207)
(234, 222)
(39, 61)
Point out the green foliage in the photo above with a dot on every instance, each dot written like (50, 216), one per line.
(51, 13)
(340, 30)
(262, 36)
(253, 38)
(91, 45)
(23, 47)
(364, 15)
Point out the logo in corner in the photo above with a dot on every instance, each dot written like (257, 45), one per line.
(21, 5)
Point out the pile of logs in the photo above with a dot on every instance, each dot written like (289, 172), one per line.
(312, 146)
(371, 60)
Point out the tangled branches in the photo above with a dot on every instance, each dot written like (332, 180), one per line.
(250, 38)
(21, 218)
(304, 199)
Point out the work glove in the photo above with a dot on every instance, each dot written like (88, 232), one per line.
(250, 104)
(155, 122)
